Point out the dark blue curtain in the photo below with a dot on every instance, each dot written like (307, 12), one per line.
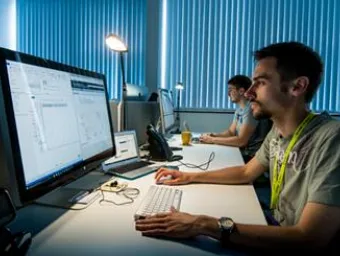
(73, 32)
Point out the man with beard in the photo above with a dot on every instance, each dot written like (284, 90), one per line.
(301, 152)
(245, 132)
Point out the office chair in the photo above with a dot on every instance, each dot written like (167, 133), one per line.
(11, 243)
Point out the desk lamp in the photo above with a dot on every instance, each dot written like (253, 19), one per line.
(116, 44)
(179, 87)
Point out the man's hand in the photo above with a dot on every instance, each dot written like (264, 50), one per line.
(178, 178)
(174, 224)
(207, 139)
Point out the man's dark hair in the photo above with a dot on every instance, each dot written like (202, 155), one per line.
(295, 59)
(240, 81)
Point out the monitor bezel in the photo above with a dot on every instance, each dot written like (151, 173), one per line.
(75, 171)
(173, 126)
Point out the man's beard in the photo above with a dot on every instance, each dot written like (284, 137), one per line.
(262, 114)
(233, 100)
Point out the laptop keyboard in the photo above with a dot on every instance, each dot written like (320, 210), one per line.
(130, 167)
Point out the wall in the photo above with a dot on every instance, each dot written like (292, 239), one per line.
(206, 122)
(211, 122)
(152, 44)
(8, 24)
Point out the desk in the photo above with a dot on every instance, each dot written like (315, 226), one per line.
(110, 230)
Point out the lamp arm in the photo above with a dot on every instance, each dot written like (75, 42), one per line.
(178, 99)
(123, 73)
(178, 122)
(124, 96)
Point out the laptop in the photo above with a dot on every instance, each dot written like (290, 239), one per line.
(127, 162)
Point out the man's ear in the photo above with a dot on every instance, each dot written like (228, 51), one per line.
(300, 86)
(241, 91)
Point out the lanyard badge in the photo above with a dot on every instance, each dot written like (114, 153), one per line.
(278, 177)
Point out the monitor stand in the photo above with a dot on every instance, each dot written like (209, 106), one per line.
(62, 196)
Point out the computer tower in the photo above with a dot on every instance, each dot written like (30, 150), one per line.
(139, 115)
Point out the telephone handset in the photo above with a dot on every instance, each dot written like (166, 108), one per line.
(159, 147)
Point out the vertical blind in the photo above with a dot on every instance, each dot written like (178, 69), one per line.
(209, 41)
(73, 32)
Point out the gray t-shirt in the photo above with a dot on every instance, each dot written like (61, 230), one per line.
(313, 169)
(245, 116)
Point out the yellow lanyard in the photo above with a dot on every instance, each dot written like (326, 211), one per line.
(278, 178)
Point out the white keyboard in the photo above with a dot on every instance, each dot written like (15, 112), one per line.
(159, 199)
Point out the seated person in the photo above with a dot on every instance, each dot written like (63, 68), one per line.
(245, 132)
(302, 153)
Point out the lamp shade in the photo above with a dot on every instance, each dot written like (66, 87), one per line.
(179, 86)
(115, 43)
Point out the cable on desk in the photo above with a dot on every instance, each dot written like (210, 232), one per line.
(203, 166)
(122, 189)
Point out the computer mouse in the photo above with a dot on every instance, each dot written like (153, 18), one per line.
(195, 140)
(172, 167)
(164, 178)
(175, 158)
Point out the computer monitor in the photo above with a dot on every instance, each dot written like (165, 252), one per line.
(58, 119)
(167, 115)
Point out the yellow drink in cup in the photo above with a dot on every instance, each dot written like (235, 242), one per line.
(186, 137)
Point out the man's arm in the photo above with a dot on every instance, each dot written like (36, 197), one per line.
(240, 140)
(229, 175)
(317, 226)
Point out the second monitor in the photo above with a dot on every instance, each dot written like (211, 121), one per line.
(167, 115)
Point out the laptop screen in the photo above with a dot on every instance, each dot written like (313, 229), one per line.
(126, 146)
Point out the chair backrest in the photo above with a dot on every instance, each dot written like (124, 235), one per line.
(7, 209)
(262, 129)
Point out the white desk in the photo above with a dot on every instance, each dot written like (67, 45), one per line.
(110, 230)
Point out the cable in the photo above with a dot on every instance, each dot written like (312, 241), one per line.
(121, 189)
(211, 157)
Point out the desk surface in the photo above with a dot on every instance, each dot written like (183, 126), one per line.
(106, 229)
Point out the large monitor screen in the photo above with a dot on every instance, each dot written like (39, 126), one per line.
(59, 121)
(166, 110)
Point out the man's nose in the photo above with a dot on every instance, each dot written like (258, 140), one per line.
(250, 94)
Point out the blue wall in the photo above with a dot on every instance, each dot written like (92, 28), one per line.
(73, 32)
